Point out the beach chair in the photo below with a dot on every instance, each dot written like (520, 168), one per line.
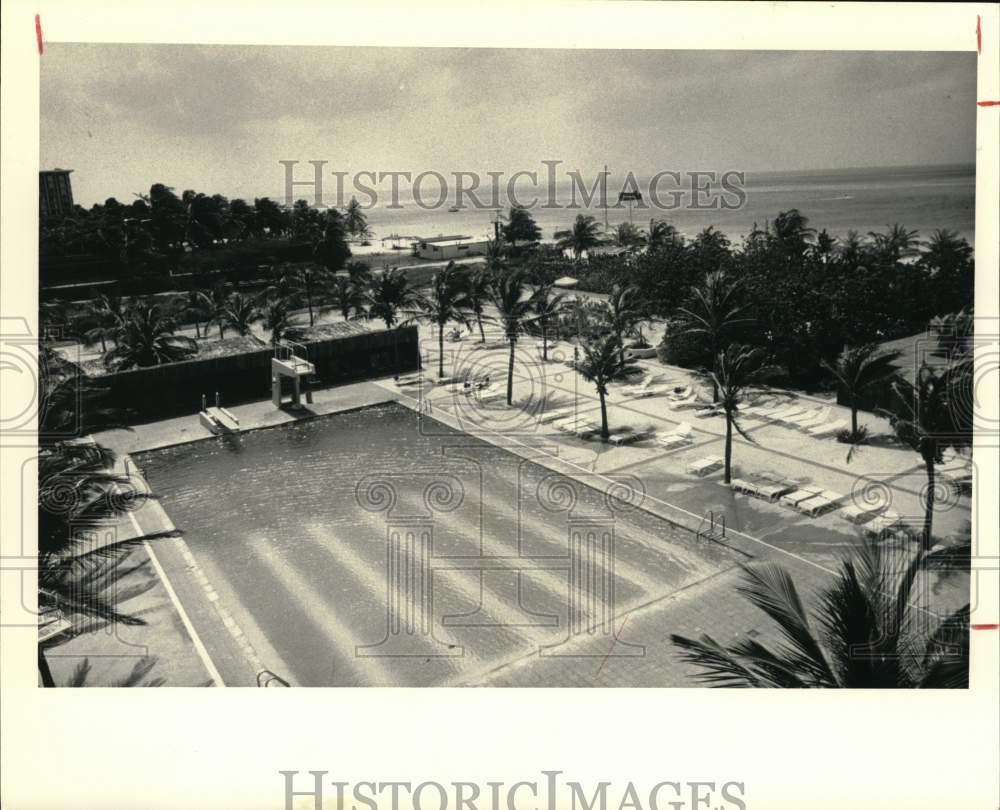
(813, 419)
(633, 389)
(888, 521)
(705, 466)
(860, 514)
(759, 411)
(823, 502)
(695, 400)
(745, 485)
(556, 414)
(680, 435)
(797, 496)
(809, 415)
(772, 486)
(683, 394)
(621, 439)
(711, 410)
(827, 428)
(784, 413)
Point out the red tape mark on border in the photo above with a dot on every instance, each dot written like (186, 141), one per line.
(986, 626)
(979, 35)
(38, 32)
(988, 103)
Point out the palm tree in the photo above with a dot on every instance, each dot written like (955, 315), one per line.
(347, 296)
(239, 312)
(477, 291)
(77, 487)
(896, 243)
(661, 234)
(274, 317)
(110, 310)
(623, 311)
(358, 272)
(932, 414)
(603, 363)
(312, 283)
(444, 303)
(146, 338)
(738, 371)
(857, 370)
(514, 307)
(198, 307)
(548, 308)
(215, 302)
(865, 633)
(584, 235)
(389, 294)
(628, 235)
(355, 220)
(70, 404)
(713, 312)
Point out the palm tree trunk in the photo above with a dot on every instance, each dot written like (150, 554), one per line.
(510, 374)
(440, 350)
(854, 420)
(728, 473)
(482, 334)
(222, 332)
(929, 506)
(104, 346)
(44, 671)
(604, 414)
(309, 301)
(545, 344)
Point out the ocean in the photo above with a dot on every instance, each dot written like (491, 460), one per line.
(920, 198)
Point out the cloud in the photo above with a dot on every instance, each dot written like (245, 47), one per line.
(220, 117)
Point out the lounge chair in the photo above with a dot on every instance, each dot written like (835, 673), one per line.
(574, 425)
(814, 419)
(860, 514)
(632, 389)
(747, 485)
(808, 416)
(711, 410)
(695, 400)
(682, 434)
(556, 414)
(705, 466)
(759, 411)
(821, 503)
(773, 486)
(620, 439)
(888, 521)
(797, 496)
(409, 379)
(828, 428)
(784, 413)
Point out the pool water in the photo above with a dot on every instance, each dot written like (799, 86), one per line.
(378, 547)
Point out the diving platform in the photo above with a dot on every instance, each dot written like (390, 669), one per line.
(291, 362)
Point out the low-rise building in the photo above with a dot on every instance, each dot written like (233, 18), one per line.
(449, 247)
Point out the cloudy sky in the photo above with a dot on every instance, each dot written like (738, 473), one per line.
(218, 119)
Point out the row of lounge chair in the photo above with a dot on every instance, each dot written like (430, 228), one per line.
(814, 420)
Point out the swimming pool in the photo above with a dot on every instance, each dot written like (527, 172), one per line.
(379, 547)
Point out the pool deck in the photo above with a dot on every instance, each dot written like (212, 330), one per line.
(808, 547)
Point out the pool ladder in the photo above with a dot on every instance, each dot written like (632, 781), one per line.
(267, 678)
(716, 529)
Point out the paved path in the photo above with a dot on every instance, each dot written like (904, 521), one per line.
(706, 602)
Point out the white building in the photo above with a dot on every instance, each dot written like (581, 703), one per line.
(449, 247)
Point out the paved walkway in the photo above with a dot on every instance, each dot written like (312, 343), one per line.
(809, 548)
